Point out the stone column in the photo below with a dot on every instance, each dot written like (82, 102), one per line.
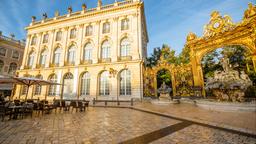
(115, 39)
(96, 50)
(26, 52)
(79, 43)
(50, 47)
(38, 52)
(64, 47)
(137, 37)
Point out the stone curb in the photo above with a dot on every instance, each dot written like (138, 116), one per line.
(203, 122)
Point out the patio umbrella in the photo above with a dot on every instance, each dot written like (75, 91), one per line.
(28, 81)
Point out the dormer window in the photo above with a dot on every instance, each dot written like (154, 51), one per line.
(106, 27)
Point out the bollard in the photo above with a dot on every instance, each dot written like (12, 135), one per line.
(132, 102)
(93, 101)
(105, 103)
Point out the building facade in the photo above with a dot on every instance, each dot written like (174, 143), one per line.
(11, 55)
(95, 53)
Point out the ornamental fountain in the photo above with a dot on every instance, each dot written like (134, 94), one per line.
(229, 84)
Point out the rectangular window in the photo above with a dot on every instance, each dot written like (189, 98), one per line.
(58, 36)
(125, 24)
(106, 27)
(73, 33)
(45, 39)
(33, 42)
(88, 31)
(15, 55)
(2, 51)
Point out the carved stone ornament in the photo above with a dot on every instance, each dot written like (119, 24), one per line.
(57, 13)
(218, 24)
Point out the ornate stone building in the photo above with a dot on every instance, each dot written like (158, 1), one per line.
(11, 53)
(94, 53)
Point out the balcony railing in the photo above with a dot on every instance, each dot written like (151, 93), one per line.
(67, 63)
(105, 60)
(124, 58)
(38, 66)
(27, 67)
(54, 65)
(83, 62)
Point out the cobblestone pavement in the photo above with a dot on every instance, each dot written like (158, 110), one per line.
(238, 120)
(111, 125)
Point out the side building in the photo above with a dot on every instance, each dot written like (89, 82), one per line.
(95, 53)
(11, 55)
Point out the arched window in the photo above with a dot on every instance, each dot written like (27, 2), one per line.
(38, 88)
(125, 47)
(33, 41)
(12, 68)
(105, 50)
(31, 59)
(43, 57)
(125, 82)
(125, 24)
(57, 55)
(68, 85)
(88, 51)
(52, 88)
(45, 38)
(71, 54)
(85, 84)
(104, 83)
(1, 65)
(106, 27)
(88, 30)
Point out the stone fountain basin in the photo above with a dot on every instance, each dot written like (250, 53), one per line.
(226, 106)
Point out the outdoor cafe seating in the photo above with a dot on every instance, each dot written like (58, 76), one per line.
(18, 109)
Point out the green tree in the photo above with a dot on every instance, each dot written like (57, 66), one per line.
(184, 56)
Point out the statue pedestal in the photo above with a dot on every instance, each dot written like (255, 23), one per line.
(164, 97)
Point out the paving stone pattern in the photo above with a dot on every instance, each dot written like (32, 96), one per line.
(108, 125)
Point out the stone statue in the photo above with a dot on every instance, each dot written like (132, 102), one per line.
(44, 16)
(57, 13)
(225, 63)
(228, 85)
(164, 91)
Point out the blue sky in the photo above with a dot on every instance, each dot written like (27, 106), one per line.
(168, 21)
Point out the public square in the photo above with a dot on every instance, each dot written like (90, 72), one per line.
(127, 72)
(113, 125)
